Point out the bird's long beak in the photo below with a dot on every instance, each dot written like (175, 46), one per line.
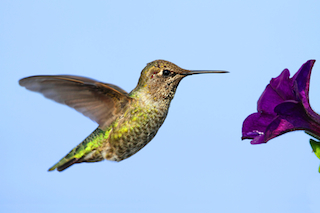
(193, 72)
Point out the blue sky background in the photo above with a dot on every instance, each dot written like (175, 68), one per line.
(197, 162)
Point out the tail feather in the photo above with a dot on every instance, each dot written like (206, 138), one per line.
(84, 152)
(63, 164)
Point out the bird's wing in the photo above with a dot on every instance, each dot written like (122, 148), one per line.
(99, 101)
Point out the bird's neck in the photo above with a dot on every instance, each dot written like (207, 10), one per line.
(151, 97)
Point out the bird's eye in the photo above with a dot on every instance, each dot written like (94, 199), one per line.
(166, 72)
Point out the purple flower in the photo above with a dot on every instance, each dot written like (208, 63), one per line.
(283, 107)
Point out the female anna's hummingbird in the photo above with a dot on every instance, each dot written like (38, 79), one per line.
(127, 122)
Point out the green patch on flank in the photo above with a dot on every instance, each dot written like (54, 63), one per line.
(90, 143)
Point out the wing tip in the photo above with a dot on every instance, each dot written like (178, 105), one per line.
(21, 82)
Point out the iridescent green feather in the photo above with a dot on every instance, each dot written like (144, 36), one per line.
(77, 154)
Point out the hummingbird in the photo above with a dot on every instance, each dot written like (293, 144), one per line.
(127, 121)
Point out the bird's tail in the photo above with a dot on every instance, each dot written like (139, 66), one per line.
(63, 164)
(84, 152)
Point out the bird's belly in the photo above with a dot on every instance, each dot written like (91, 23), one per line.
(132, 134)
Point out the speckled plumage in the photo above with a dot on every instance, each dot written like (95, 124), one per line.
(127, 122)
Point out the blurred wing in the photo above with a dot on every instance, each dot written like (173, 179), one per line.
(99, 101)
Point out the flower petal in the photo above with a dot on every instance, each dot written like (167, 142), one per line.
(291, 116)
(254, 127)
(279, 89)
(283, 107)
(301, 87)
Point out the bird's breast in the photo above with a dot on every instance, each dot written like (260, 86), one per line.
(134, 130)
